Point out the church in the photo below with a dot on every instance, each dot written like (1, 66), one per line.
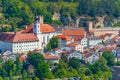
(35, 36)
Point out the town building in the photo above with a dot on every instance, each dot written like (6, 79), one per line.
(35, 36)
(63, 40)
(94, 41)
(6, 55)
(76, 47)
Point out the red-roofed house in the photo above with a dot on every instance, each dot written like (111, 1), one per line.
(76, 46)
(18, 42)
(64, 40)
(53, 58)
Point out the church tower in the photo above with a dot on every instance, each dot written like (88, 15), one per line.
(36, 25)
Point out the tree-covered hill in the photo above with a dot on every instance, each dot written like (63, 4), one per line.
(21, 12)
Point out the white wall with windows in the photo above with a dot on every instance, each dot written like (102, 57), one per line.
(84, 42)
(24, 46)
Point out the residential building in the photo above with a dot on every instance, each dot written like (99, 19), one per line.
(90, 58)
(52, 58)
(18, 42)
(84, 42)
(76, 46)
(8, 55)
(75, 54)
(64, 40)
(94, 41)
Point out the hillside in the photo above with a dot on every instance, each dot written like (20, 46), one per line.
(21, 12)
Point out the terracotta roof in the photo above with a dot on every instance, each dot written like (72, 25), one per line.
(44, 28)
(18, 37)
(63, 37)
(21, 59)
(48, 56)
(78, 38)
(88, 55)
(108, 49)
(74, 32)
(105, 35)
(116, 37)
(72, 44)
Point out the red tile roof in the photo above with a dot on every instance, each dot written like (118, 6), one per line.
(105, 35)
(21, 59)
(48, 56)
(44, 28)
(72, 44)
(18, 37)
(74, 32)
(63, 37)
(108, 49)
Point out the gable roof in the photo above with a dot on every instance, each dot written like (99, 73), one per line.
(44, 28)
(64, 37)
(72, 45)
(18, 37)
(74, 32)
(48, 56)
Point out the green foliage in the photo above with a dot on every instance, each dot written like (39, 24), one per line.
(57, 22)
(17, 9)
(35, 58)
(118, 63)
(74, 63)
(64, 58)
(21, 12)
(1, 78)
(24, 74)
(1, 60)
(88, 72)
(54, 42)
(42, 69)
(100, 65)
(48, 47)
(99, 7)
(108, 55)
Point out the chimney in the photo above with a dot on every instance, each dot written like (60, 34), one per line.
(41, 19)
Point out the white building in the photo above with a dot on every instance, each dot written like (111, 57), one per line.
(43, 31)
(35, 36)
(76, 47)
(84, 42)
(18, 42)
(75, 54)
(90, 58)
(94, 41)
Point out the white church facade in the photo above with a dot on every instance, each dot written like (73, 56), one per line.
(35, 36)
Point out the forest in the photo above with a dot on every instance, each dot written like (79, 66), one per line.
(17, 13)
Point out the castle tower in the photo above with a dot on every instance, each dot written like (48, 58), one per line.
(41, 19)
(90, 26)
(36, 25)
